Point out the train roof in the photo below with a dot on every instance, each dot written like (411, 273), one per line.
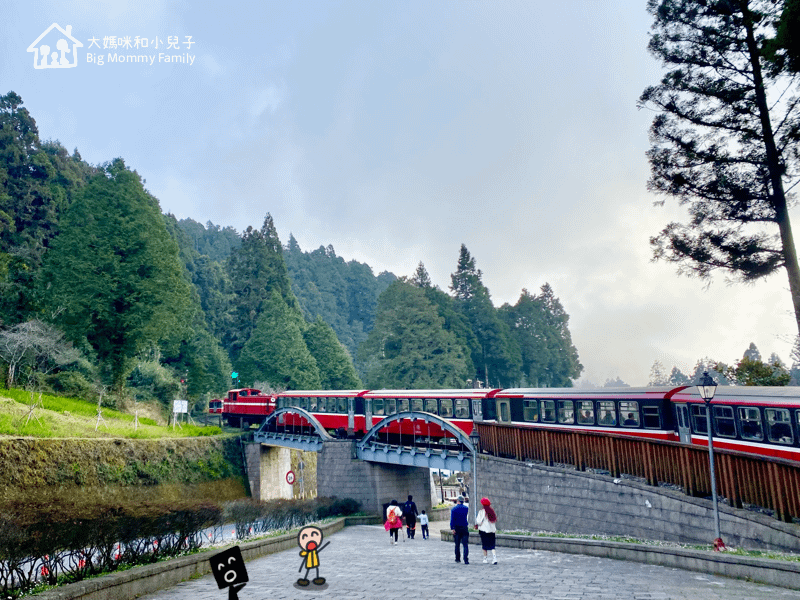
(616, 392)
(457, 393)
(744, 393)
(336, 393)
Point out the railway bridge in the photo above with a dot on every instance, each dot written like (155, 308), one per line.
(542, 480)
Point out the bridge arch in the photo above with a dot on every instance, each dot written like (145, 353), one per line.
(310, 439)
(460, 458)
(418, 416)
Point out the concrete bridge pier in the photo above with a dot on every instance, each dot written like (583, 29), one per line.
(267, 467)
(335, 471)
(341, 474)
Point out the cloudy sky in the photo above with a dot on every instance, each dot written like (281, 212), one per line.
(396, 131)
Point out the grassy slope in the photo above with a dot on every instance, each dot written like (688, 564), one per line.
(69, 417)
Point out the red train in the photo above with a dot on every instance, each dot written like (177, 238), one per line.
(759, 420)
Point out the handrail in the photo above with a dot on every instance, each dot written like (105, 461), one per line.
(741, 478)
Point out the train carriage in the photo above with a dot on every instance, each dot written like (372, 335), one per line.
(461, 407)
(637, 412)
(336, 410)
(754, 420)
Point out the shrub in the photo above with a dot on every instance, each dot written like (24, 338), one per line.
(71, 383)
(62, 541)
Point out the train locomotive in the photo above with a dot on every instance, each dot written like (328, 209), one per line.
(754, 420)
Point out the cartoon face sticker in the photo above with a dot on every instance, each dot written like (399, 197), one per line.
(310, 541)
(310, 538)
(228, 568)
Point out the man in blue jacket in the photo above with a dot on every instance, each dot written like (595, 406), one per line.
(459, 525)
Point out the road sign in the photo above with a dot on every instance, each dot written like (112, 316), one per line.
(290, 477)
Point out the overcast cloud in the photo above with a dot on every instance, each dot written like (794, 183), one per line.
(396, 131)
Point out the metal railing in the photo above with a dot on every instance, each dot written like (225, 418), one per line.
(741, 478)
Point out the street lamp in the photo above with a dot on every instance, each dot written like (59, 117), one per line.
(707, 386)
(475, 439)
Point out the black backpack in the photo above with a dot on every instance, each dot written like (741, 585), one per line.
(408, 508)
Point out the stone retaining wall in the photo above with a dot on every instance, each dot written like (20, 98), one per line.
(533, 497)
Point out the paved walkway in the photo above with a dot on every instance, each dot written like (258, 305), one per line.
(359, 563)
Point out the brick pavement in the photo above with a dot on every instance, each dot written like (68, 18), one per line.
(359, 563)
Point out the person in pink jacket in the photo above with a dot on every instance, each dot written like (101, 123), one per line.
(394, 520)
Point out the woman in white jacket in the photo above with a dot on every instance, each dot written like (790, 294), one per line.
(486, 524)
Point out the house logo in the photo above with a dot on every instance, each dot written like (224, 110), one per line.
(55, 49)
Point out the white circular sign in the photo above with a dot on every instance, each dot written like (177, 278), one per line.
(290, 477)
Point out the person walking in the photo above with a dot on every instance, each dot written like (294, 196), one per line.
(394, 521)
(410, 515)
(423, 521)
(486, 524)
(459, 525)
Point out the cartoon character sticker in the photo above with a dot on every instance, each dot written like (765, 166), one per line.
(229, 571)
(310, 541)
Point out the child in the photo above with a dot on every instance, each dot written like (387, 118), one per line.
(423, 520)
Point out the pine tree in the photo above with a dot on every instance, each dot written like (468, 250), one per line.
(658, 374)
(276, 351)
(421, 279)
(335, 365)
(724, 141)
(409, 348)
(256, 269)
(496, 357)
(113, 274)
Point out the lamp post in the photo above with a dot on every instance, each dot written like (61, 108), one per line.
(475, 439)
(707, 387)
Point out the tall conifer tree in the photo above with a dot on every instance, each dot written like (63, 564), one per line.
(113, 274)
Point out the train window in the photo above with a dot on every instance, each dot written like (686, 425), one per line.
(566, 411)
(750, 423)
(699, 421)
(446, 408)
(402, 405)
(530, 410)
(779, 425)
(431, 406)
(606, 413)
(390, 406)
(548, 411)
(313, 404)
(416, 405)
(630, 413)
(723, 421)
(377, 406)
(342, 405)
(651, 417)
(332, 403)
(462, 409)
(585, 412)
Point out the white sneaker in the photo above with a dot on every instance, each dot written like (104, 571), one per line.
(485, 559)
(494, 561)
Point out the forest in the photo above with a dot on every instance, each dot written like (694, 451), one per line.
(101, 292)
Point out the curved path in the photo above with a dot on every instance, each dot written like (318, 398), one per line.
(359, 563)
